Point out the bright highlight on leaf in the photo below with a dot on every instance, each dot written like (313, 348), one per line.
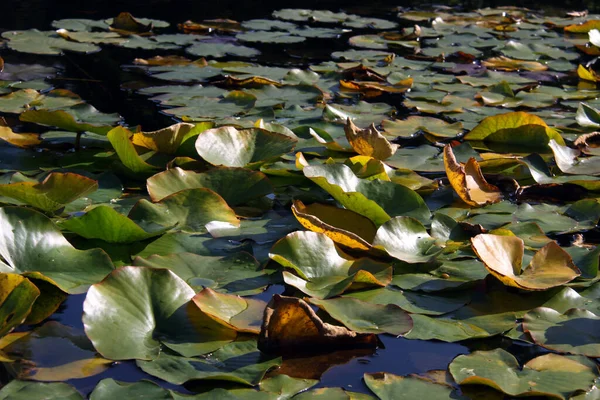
(503, 257)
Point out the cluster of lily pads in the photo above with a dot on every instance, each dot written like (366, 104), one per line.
(437, 182)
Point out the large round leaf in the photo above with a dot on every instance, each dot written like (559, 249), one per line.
(24, 390)
(377, 200)
(235, 185)
(503, 257)
(548, 375)
(189, 210)
(81, 118)
(105, 223)
(231, 147)
(31, 244)
(406, 239)
(574, 332)
(134, 309)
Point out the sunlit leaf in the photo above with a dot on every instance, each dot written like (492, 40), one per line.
(32, 245)
(369, 142)
(406, 239)
(388, 386)
(503, 257)
(548, 375)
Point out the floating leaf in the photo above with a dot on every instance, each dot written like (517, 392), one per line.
(237, 362)
(141, 319)
(120, 138)
(377, 200)
(587, 116)
(503, 255)
(324, 270)
(42, 42)
(548, 375)
(104, 223)
(569, 162)
(236, 185)
(468, 181)
(388, 386)
(17, 296)
(53, 193)
(518, 128)
(433, 126)
(363, 317)
(369, 142)
(406, 239)
(242, 315)
(189, 210)
(32, 245)
(23, 140)
(509, 64)
(290, 324)
(236, 273)
(84, 118)
(343, 226)
(231, 147)
(584, 27)
(573, 332)
(24, 390)
(166, 140)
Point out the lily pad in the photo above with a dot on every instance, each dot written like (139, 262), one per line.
(377, 200)
(406, 239)
(389, 386)
(32, 245)
(45, 43)
(503, 255)
(231, 147)
(573, 332)
(547, 375)
(17, 297)
(154, 313)
(25, 390)
(187, 210)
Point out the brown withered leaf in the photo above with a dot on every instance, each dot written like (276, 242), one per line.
(362, 73)
(369, 142)
(372, 89)
(290, 324)
(23, 140)
(587, 142)
(126, 24)
(211, 25)
(468, 181)
(1, 64)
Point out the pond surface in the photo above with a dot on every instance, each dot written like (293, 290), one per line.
(413, 192)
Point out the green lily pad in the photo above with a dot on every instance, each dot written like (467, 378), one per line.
(141, 319)
(108, 389)
(81, 118)
(187, 210)
(17, 296)
(389, 386)
(517, 128)
(231, 147)
(237, 273)
(406, 239)
(45, 43)
(408, 127)
(219, 50)
(120, 138)
(573, 332)
(377, 200)
(53, 193)
(27, 390)
(547, 375)
(569, 162)
(240, 362)
(363, 317)
(324, 270)
(104, 223)
(442, 275)
(236, 185)
(32, 245)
